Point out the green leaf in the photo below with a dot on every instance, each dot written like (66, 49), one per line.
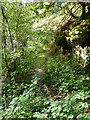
(70, 116)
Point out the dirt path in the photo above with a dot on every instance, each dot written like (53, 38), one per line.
(41, 83)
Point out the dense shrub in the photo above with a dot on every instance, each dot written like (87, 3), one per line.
(29, 105)
(66, 75)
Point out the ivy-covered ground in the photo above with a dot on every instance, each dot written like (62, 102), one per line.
(45, 60)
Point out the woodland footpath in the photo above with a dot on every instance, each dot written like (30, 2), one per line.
(45, 54)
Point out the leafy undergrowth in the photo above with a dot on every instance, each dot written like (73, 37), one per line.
(66, 75)
(72, 100)
(28, 43)
(32, 104)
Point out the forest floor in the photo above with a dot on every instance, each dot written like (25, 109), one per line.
(39, 71)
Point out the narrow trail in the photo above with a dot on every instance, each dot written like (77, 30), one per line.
(45, 90)
(40, 83)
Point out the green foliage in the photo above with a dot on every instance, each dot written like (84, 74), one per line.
(29, 105)
(60, 39)
(65, 75)
(24, 67)
(29, 29)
